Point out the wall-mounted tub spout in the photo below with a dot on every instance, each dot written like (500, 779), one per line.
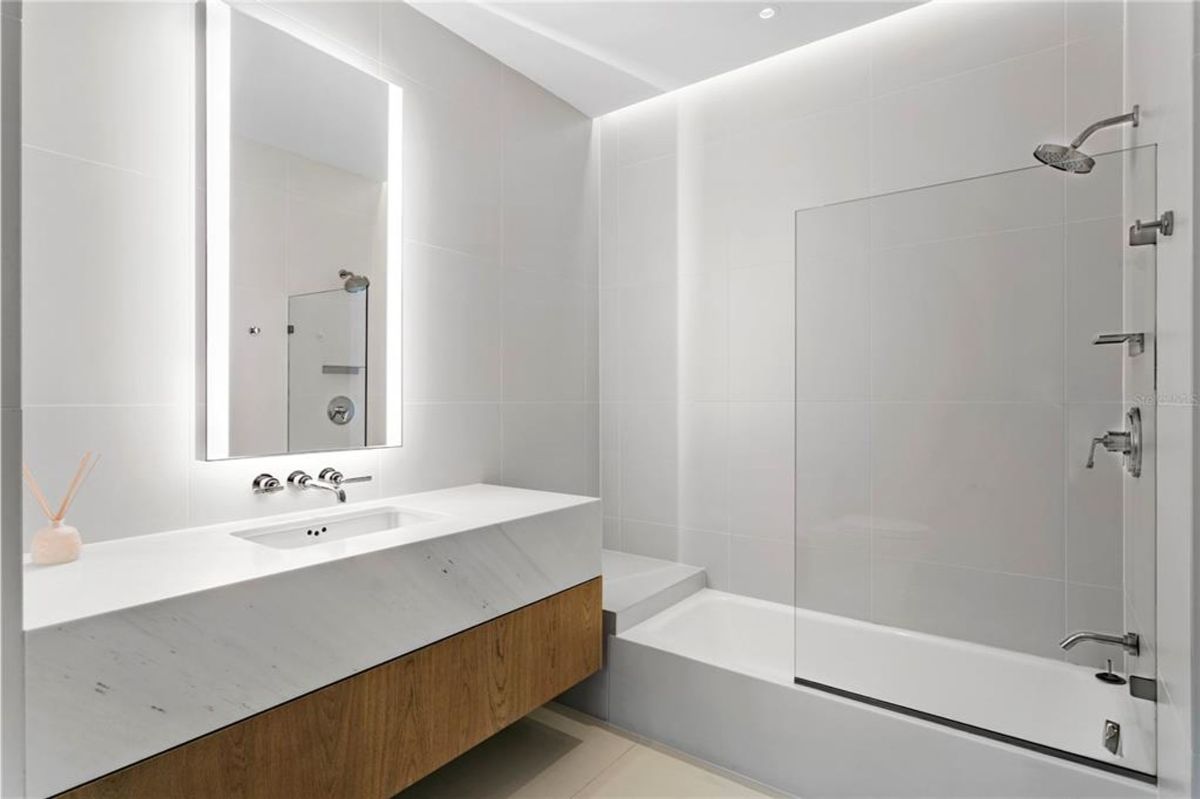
(1130, 642)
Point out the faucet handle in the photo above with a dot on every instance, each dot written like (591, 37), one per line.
(332, 475)
(1098, 441)
(266, 484)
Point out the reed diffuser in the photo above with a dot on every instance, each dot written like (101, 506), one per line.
(58, 542)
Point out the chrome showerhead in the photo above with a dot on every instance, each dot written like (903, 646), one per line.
(1070, 158)
(354, 283)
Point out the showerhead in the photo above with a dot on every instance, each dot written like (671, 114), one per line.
(354, 283)
(1070, 158)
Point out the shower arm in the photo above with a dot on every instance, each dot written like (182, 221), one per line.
(1132, 116)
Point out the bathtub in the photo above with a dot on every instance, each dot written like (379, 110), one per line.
(713, 676)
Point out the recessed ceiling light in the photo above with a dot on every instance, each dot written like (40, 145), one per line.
(766, 13)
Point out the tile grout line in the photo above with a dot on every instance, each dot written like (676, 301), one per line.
(632, 746)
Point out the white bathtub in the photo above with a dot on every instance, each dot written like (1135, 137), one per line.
(713, 675)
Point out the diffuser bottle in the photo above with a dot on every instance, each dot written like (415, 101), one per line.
(55, 543)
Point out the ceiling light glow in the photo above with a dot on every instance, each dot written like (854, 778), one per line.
(766, 13)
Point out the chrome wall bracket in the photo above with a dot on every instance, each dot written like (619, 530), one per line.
(1136, 341)
(1143, 233)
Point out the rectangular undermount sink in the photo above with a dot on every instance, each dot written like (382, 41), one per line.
(322, 530)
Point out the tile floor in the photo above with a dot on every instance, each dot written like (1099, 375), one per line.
(557, 753)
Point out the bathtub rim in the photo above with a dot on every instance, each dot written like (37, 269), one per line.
(638, 634)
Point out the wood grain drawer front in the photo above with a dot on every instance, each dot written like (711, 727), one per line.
(376, 733)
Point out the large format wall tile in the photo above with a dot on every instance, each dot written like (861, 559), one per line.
(134, 489)
(452, 173)
(546, 337)
(107, 305)
(118, 78)
(969, 319)
(1006, 610)
(974, 123)
(1009, 201)
(973, 485)
(793, 165)
(647, 222)
(1095, 299)
(647, 344)
(832, 306)
(762, 568)
(704, 459)
(1095, 515)
(453, 348)
(649, 462)
(550, 184)
(833, 474)
(552, 446)
(940, 42)
(835, 579)
(762, 363)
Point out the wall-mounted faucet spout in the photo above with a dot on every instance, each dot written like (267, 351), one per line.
(304, 480)
(1130, 642)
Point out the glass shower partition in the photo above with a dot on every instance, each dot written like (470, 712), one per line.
(952, 525)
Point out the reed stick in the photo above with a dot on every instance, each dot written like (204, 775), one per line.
(70, 498)
(36, 490)
(76, 482)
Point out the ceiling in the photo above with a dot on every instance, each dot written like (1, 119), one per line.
(601, 55)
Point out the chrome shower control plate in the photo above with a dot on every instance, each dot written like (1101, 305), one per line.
(1133, 458)
(340, 410)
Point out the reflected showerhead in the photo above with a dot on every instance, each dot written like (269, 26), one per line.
(1070, 158)
(354, 283)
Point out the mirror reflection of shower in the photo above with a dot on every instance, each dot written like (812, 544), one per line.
(327, 400)
(354, 283)
(1070, 158)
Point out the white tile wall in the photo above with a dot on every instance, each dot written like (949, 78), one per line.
(1161, 46)
(12, 647)
(951, 309)
(501, 265)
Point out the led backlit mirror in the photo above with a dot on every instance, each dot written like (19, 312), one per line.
(303, 229)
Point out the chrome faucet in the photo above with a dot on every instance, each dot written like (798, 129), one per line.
(302, 479)
(1130, 642)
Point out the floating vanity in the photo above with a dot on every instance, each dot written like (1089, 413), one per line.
(423, 624)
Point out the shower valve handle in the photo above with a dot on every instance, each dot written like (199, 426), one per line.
(1113, 441)
(1126, 442)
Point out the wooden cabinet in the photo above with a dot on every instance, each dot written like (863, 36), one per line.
(373, 734)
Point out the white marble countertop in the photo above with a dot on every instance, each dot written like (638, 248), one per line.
(116, 575)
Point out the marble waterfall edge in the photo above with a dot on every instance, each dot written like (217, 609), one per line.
(107, 690)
